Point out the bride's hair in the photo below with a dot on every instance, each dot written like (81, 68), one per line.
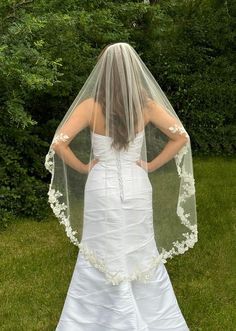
(118, 113)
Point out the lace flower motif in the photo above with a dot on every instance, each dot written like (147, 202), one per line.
(60, 137)
(187, 190)
(49, 162)
(59, 208)
(115, 277)
(178, 129)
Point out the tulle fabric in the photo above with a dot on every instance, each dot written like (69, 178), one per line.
(121, 91)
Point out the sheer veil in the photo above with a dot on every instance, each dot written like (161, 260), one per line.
(122, 90)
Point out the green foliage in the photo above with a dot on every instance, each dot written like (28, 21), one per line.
(47, 50)
(22, 190)
(191, 55)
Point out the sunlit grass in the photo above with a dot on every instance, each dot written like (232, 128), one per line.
(37, 261)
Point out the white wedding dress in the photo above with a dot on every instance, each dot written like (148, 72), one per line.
(92, 303)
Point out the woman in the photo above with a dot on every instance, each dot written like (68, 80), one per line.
(120, 281)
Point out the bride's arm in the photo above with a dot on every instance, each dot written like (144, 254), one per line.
(79, 119)
(172, 128)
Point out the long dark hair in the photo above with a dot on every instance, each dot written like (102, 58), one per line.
(118, 122)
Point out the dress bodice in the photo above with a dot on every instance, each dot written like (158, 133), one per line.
(119, 166)
(103, 151)
(118, 235)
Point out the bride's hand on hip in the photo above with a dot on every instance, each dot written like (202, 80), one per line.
(148, 166)
(88, 167)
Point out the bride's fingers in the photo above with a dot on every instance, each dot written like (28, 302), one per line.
(94, 161)
(140, 163)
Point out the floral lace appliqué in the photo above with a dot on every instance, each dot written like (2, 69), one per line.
(59, 208)
(179, 247)
(178, 129)
(187, 190)
(49, 162)
(60, 137)
(116, 277)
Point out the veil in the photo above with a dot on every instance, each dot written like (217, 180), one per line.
(114, 108)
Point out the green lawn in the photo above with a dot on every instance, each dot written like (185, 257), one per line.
(37, 261)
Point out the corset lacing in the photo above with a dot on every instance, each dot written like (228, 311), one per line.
(119, 169)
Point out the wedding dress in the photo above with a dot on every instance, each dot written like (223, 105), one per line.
(93, 303)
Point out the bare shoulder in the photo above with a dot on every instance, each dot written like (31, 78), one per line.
(86, 109)
(152, 105)
(87, 104)
(151, 108)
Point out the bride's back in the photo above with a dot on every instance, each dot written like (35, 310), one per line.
(98, 122)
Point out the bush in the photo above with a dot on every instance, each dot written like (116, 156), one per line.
(48, 49)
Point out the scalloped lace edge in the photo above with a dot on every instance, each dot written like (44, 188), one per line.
(117, 277)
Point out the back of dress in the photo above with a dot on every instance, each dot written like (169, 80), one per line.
(118, 235)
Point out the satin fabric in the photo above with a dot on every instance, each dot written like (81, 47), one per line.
(118, 219)
(118, 225)
(93, 305)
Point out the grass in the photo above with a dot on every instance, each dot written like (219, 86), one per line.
(37, 261)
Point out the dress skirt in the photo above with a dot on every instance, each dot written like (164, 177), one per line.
(93, 305)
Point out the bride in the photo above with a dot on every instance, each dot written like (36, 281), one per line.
(139, 204)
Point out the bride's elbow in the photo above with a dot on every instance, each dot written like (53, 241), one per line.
(58, 148)
(184, 138)
(55, 147)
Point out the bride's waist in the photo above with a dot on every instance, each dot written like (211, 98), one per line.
(118, 167)
(116, 164)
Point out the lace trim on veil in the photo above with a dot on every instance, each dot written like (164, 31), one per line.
(117, 277)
